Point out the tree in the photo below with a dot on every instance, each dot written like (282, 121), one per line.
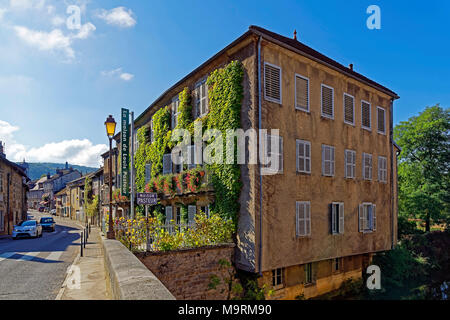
(424, 165)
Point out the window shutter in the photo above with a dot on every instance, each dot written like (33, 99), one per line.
(323, 160)
(297, 217)
(332, 161)
(299, 151)
(307, 157)
(272, 83)
(341, 218)
(169, 215)
(302, 93)
(374, 217)
(381, 120)
(167, 163)
(191, 157)
(308, 219)
(349, 105)
(365, 114)
(280, 157)
(148, 172)
(361, 218)
(327, 102)
(331, 213)
(192, 210)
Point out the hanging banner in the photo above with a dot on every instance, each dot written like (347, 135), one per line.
(125, 153)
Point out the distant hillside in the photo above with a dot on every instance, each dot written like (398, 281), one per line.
(36, 170)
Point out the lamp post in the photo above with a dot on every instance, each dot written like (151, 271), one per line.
(110, 129)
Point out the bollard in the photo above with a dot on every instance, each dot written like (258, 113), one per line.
(85, 239)
(81, 243)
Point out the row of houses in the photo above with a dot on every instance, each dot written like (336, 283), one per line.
(331, 203)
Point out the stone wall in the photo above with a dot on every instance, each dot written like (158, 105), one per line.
(187, 273)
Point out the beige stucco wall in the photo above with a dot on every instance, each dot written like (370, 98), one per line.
(281, 247)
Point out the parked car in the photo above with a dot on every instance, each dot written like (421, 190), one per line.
(28, 228)
(30, 217)
(53, 212)
(47, 223)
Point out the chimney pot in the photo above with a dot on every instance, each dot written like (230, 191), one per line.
(295, 34)
(351, 66)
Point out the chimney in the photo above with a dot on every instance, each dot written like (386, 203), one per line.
(295, 34)
(2, 150)
(351, 66)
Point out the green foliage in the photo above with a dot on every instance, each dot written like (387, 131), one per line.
(185, 110)
(142, 157)
(87, 193)
(406, 227)
(225, 100)
(424, 165)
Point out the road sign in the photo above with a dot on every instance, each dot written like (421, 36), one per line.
(149, 199)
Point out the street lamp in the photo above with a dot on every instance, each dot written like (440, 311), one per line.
(110, 129)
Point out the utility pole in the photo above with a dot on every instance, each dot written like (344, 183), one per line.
(132, 167)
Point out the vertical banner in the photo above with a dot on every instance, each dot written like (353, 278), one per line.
(125, 153)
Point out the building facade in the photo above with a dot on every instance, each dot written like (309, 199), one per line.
(57, 182)
(13, 194)
(317, 218)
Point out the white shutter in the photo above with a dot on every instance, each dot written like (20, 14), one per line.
(333, 219)
(297, 217)
(299, 151)
(307, 219)
(167, 163)
(374, 218)
(192, 210)
(361, 218)
(349, 106)
(280, 158)
(323, 160)
(365, 114)
(332, 160)
(169, 215)
(308, 157)
(341, 218)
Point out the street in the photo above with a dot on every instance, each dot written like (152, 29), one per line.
(35, 269)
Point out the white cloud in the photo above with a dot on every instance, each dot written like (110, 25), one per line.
(2, 12)
(85, 31)
(58, 21)
(118, 73)
(120, 16)
(26, 4)
(76, 151)
(46, 41)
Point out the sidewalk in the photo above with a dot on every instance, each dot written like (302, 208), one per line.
(92, 270)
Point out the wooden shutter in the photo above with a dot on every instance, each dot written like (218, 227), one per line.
(327, 102)
(361, 218)
(349, 106)
(169, 215)
(374, 217)
(301, 93)
(332, 215)
(192, 210)
(341, 218)
(272, 83)
(365, 114)
(167, 163)
(381, 120)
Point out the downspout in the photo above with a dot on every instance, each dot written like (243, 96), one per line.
(391, 137)
(260, 167)
(8, 180)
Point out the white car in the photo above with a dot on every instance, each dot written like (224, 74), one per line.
(53, 212)
(29, 228)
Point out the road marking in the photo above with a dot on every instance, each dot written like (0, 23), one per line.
(6, 255)
(55, 255)
(27, 256)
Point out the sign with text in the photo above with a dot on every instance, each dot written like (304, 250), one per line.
(149, 199)
(125, 153)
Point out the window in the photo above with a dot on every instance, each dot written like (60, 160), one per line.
(367, 166)
(327, 160)
(303, 218)
(272, 83)
(277, 277)
(336, 264)
(350, 164)
(349, 109)
(301, 93)
(148, 172)
(178, 215)
(192, 211)
(367, 217)
(201, 99)
(179, 167)
(191, 160)
(151, 130)
(167, 163)
(327, 102)
(337, 218)
(169, 216)
(274, 154)
(365, 115)
(303, 156)
(175, 111)
(382, 169)
(381, 120)
(205, 210)
(308, 273)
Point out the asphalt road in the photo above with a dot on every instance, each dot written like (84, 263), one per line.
(35, 269)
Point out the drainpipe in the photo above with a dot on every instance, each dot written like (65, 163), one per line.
(260, 167)
(391, 135)
(8, 181)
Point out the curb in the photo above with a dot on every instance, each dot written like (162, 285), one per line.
(64, 284)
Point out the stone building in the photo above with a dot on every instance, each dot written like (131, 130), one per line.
(55, 183)
(331, 202)
(13, 194)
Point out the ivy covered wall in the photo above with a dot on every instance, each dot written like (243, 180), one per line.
(225, 94)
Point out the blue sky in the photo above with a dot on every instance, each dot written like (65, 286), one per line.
(57, 86)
